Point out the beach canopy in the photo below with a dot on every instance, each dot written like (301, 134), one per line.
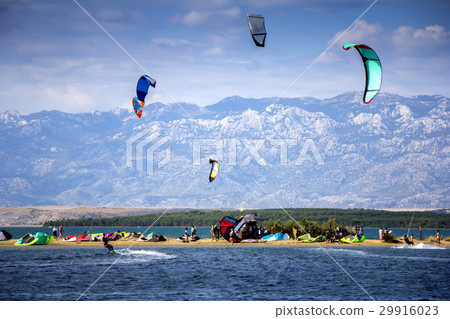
(4, 235)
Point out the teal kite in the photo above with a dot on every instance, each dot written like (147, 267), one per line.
(372, 65)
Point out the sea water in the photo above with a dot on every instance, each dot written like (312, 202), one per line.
(238, 272)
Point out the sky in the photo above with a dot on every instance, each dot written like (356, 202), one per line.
(54, 56)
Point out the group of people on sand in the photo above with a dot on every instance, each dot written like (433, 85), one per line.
(252, 232)
(193, 233)
(382, 232)
(409, 240)
(55, 231)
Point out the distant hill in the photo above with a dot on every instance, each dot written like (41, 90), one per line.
(391, 153)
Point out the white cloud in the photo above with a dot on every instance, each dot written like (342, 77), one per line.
(73, 97)
(361, 32)
(195, 18)
(213, 51)
(174, 42)
(433, 35)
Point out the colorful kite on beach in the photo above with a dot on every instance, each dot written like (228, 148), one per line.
(257, 28)
(142, 86)
(228, 224)
(214, 170)
(372, 65)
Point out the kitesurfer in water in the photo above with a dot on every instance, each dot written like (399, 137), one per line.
(411, 239)
(105, 243)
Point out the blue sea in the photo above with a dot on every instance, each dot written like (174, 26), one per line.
(238, 272)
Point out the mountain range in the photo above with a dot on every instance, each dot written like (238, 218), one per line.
(291, 152)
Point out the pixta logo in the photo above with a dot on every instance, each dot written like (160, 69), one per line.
(147, 151)
(243, 151)
(144, 151)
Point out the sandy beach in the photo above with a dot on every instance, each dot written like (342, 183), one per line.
(208, 242)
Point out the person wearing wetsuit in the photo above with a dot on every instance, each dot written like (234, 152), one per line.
(105, 243)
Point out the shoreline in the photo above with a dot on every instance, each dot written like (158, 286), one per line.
(208, 242)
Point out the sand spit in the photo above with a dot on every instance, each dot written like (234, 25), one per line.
(207, 242)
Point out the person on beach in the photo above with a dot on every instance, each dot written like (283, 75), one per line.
(186, 235)
(54, 232)
(232, 237)
(213, 232)
(438, 238)
(61, 231)
(262, 231)
(105, 243)
(360, 233)
(217, 233)
(380, 233)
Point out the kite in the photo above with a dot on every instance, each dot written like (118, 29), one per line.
(257, 28)
(142, 86)
(372, 65)
(138, 106)
(214, 170)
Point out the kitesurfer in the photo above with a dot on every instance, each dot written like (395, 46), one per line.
(411, 239)
(105, 243)
(438, 238)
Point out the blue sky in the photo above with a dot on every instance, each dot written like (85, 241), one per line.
(53, 56)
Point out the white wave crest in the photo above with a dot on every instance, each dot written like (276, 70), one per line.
(142, 252)
(419, 246)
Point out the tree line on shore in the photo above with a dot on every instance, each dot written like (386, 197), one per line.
(313, 220)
